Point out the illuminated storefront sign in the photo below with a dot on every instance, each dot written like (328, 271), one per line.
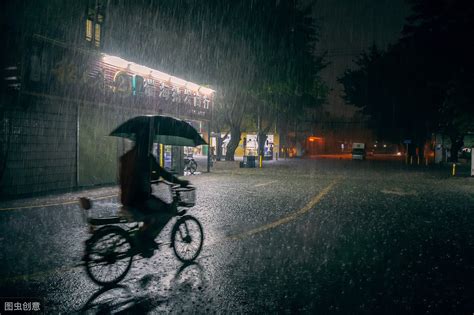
(54, 69)
(127, 77)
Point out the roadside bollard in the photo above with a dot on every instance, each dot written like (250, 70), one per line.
(411, 160)
(426, 161)
(418, 160)
(161, 155)
(454, 169)
(260, 162)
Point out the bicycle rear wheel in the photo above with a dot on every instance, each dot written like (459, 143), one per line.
(109, 255)
(187, 238)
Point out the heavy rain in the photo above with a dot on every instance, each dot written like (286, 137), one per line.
(271, 156)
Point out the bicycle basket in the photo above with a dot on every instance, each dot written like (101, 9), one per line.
(186, 196)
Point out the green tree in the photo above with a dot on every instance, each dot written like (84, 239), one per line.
(438, 33)
(372, 86)
(419, 85)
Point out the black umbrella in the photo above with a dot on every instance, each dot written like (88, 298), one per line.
(163, 129)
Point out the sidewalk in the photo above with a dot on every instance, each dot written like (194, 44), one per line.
(107, 191)
(60, 197)
(219, 167)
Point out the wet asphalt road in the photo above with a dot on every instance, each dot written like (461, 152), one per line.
(324, 236)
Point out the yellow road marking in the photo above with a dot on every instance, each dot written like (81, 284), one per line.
(53, 204)
(265, 184)
(292, 216)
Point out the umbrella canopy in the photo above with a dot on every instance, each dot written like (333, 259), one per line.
(163, 129)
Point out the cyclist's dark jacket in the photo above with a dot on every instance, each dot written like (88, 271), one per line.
(135, 174)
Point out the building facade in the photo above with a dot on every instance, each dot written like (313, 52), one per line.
(62, 96)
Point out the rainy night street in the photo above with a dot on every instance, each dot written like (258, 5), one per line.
(309, 235)
(237, 157)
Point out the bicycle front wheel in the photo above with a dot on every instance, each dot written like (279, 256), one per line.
(109, 255)
(187, 238)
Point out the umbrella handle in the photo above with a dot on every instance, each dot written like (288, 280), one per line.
(150, 146)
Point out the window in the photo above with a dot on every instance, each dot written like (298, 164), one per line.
(97, 35)
(94, 19)
(88, 30)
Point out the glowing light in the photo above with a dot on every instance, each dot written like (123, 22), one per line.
(161, 76)
(140, 69)
(192, 86)
(115, 61)
(313, 138)
(155, 74)
(178, 81)
(205, 90)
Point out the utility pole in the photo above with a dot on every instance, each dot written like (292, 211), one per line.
(209, 147)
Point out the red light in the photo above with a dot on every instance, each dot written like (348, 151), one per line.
(313, 138)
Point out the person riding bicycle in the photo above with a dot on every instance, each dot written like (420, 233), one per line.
(138, 167)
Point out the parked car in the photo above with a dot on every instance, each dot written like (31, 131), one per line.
(358, 151)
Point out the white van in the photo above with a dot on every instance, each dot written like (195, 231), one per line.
(358, 151)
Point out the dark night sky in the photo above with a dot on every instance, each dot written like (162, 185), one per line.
(348, 27)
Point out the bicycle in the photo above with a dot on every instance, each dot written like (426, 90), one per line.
(190, 164)
(110, 249)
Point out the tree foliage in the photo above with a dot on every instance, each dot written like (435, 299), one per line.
(420, 84)
(258, 55)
